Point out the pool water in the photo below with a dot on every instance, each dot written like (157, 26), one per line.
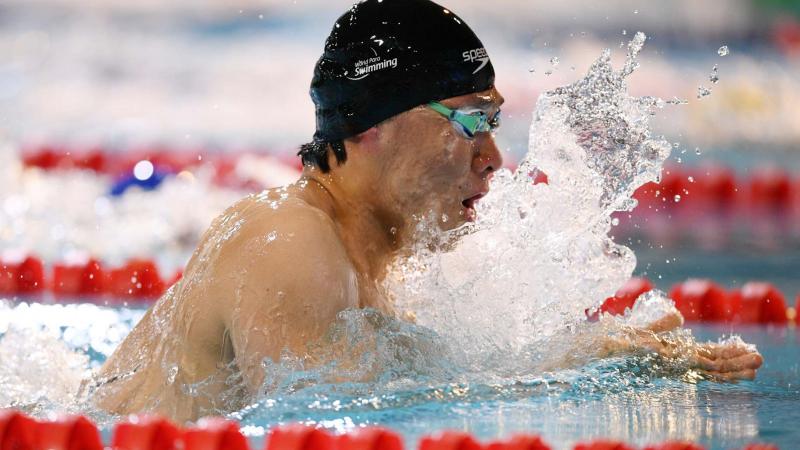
(619, 399)
(625, 399)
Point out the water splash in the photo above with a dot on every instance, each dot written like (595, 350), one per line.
(714, 76)
(540, 255)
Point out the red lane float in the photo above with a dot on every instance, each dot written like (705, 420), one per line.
(165, 160)
(78, 280)
(68, 433)
(449, 440)
(675, 445)
(761, 303)
(23, 278)
(20, 432)
(704, 301)
(369, 439)
(603, 445)
(519, 442)
(146, 433)
(137, 279)
(626, 296)
(8, 278)
(30, 276)
(706, 188)
(299, 437)
(215, 433)
(771, 190)
(17, 431)
(140, 280)
(716, 187)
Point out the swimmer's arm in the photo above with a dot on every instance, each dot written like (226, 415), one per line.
(722, 361)
(291, 290)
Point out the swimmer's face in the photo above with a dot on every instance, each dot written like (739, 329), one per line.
(431, 169)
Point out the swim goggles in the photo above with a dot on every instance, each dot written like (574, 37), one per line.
(468, 122)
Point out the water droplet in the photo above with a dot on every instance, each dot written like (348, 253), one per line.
(624, 32)
(272, 236)
(393, 230)
(723, 51)
(697, 151)
(636, 11)
(548, 72)
(691, 179)
(615, 221)
(532, 70)
(172, 374)
(714, 77)
(444, 218)
(703, 91)
(677, 198)
(554, 61)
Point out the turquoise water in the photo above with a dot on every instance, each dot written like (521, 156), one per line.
(638, 400)
(617, 398)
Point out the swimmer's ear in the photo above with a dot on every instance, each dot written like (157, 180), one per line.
(366, 136)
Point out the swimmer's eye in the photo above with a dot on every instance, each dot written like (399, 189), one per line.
(468, 122)
(494, 122)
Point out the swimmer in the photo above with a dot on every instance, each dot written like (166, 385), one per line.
(405, 110)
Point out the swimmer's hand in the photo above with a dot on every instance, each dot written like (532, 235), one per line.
(727, 361)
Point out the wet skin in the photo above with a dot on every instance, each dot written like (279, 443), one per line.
(274, 270)
(272, 273)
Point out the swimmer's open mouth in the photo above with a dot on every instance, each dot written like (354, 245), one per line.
(469, 205)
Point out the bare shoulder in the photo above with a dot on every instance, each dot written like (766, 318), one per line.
(268, 230)
(290, 251)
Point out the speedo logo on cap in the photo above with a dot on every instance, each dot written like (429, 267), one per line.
(476, 54)
(364, 67)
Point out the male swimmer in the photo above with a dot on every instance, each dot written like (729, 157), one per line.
(405, 110)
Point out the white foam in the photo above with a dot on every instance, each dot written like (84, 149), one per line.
(540, 255)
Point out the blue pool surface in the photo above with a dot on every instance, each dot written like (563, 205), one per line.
(618, 398)
(614, 399)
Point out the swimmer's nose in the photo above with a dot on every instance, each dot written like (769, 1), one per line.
(488, 158)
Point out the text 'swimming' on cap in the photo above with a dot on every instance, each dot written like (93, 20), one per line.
(384, 57)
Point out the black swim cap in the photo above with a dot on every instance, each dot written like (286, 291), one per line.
(384, 57)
